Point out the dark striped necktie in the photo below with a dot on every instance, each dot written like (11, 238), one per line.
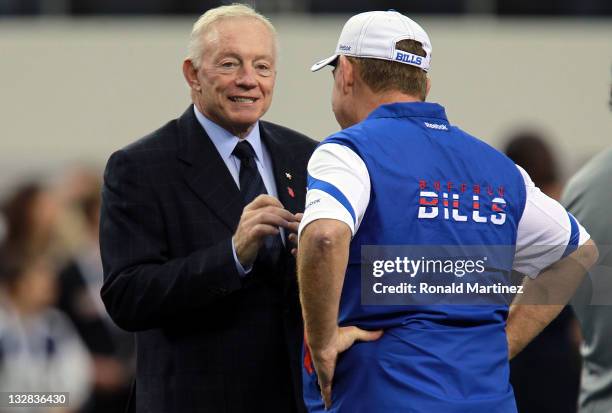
(252, 185)
(251, 182)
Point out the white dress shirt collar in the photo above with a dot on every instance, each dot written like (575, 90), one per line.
(225, 141)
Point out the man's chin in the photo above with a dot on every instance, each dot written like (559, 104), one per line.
(241, 126)
(245, 120)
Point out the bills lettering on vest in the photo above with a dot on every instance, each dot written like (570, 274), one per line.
(462, 202)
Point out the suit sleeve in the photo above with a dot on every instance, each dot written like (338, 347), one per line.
(143, 288)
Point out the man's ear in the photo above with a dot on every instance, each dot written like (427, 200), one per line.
(191, 75)
(347, 74)
(427, 87)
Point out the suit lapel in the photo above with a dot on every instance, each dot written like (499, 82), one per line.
(206, 173)
(283, 162)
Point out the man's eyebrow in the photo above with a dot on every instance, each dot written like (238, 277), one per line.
(239, 57)
(264, 57)
(228, 54)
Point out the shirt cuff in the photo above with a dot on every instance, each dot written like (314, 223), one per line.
(242, 272)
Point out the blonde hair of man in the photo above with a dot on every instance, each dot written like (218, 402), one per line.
(212, 16)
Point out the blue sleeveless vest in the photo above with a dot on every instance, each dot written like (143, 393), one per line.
(431, 184)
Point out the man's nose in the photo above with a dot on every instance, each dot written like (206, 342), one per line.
(247, 77)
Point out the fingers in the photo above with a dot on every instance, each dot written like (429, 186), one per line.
(365, 335)
(348, 335)
(270, 209)
(275, 218)
(325, 375)
(325, 361)
(326, 395)
(263, 230)
(293, 238)
(263, 201)
(269, 215)
(259, 219)
(293, 226)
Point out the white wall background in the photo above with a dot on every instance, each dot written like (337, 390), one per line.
(75, 90)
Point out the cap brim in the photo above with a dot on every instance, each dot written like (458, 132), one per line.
(322, 63)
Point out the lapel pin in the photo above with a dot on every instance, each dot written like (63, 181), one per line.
(288, 175)
(290, 192)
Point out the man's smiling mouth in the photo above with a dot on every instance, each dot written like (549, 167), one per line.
(242, 99)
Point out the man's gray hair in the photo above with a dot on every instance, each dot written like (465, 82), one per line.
(212, 16)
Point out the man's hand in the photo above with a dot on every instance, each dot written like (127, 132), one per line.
(544, 297)
(324, 360)
(262, 217)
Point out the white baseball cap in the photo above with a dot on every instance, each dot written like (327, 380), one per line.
(374, 34)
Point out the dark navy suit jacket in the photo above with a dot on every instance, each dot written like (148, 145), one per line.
(207, 339)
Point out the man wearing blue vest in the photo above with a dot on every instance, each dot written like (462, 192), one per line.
(399, 174)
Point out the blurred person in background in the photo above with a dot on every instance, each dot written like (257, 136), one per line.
(31, 215)
(40, 351)
(530, 150)
(196, 234)
(546, 374)
(588, 195)
(70, 186)
(112, 349)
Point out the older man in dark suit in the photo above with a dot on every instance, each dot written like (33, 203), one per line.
(196, 233)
